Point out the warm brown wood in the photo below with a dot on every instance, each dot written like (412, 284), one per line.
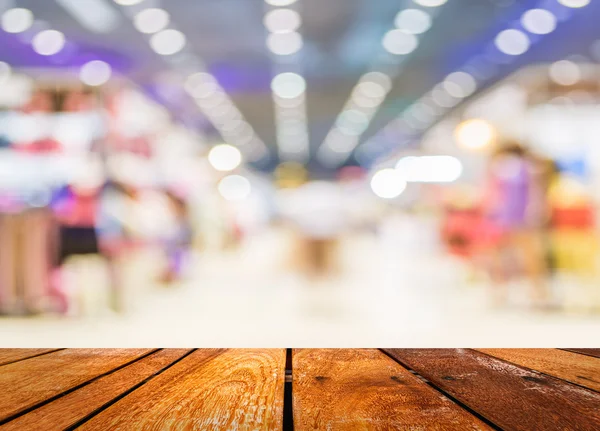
(26, 383)
(359, 389)
(579, 369)
(75, 406)
(13, 355)
(207, 390)
(589, 352)
(512, 397)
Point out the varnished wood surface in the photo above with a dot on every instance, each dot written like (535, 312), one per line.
(27, 383)
(208, 390)
(355, 389)
(580, 369)
(13, 355)
(66, 411)
(589, 352)
(511, 397)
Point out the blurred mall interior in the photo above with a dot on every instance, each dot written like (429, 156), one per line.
(299, 172)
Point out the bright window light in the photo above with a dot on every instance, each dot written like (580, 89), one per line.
(17, 20)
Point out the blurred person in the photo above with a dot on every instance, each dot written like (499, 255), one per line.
(515, 208)
(178, 239)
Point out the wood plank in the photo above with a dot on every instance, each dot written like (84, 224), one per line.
(575, 368)
(13, 355)
(511, 397)
(359, 389)
(68, 410)
(589, 352)
(208, 390)
(27, 383)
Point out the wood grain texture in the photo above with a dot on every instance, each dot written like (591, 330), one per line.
(589, 352)
(208, 390)
(26, 383)
(358, 389)
(512, 397)
(14, 355)
(68, 410)
(580, 369)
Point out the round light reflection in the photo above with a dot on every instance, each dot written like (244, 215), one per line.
(565, 72)
(475, 134)
(413, 21)
(284, 43)
(574, 3)
(539, 21)
(512, 42)
(399, 42)
(234, 188)
(288, 85)
(388, 183)
(95, 73)
(224, 157)
(48, 42)
(282, 20)
(151, 20)
(430, 3)
(167, 42)
(460, 84)
(17, 20)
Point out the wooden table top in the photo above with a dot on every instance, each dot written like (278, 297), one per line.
(301, 389)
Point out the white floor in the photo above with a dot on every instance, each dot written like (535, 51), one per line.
(392, 293)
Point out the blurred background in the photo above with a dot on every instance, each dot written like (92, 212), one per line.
(299, 172)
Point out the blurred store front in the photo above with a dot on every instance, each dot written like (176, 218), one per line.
(281, 172)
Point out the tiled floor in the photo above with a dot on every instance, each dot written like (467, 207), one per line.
(397, 291)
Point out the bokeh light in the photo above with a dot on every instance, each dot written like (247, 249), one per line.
(388, 183)
(168, 42)
(151, 20)
(234, 188)
(17, 20)
(224, 157)
(48, 42)
(475, 134)
(512, 42)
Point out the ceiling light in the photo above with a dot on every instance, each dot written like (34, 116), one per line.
(167, 42)
(430, 3)
(224, 157)
(539, 21)
(128, 2)
(282, 20)
(388, 183)
(512, 42)
(574, 3)
(460, 84)
(17, 20)
(565, 72)
(48, 42)
(151, 20)
(201, 85)
(95, 73)
(288, 85)
(234, 188)
(94, 15)
(413, 21)
(279, 3)
(284, 43)
(475, 134)
(400, 42)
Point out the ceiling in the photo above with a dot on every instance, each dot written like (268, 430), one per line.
(341, 40)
